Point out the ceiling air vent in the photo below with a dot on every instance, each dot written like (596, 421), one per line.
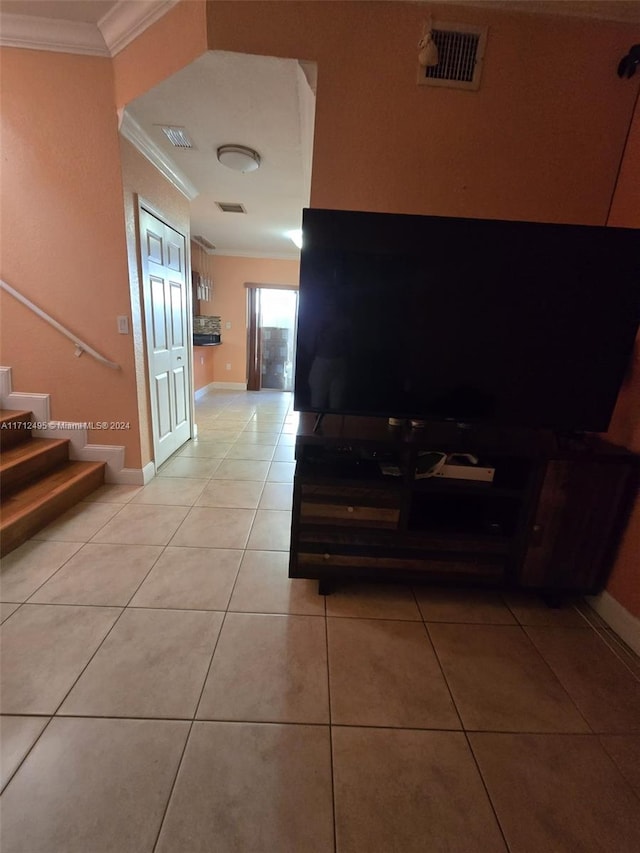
(207, 245)
(231, 207)
(177, 136)
(460, 54)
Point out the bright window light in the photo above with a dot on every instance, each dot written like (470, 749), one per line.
(295, 236)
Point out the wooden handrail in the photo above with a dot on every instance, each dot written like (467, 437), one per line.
(80, 345)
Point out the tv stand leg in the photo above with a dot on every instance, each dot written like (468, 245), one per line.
(325, 587)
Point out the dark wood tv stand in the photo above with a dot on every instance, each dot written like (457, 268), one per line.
(551, 519)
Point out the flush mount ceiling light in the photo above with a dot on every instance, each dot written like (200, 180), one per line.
(239, 158)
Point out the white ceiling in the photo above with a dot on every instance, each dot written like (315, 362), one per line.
(84, 11)
(261, 102)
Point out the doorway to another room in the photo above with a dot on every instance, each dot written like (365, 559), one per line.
(271, 330)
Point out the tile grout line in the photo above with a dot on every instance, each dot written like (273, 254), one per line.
(486, 789)
(75, 681)
(196, 709)
(28, 752)
(463, 729)
(123, 608)
(375, 726)
(331, 755)
(556, 677)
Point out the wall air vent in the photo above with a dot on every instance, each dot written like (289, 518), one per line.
(231, 207)
(205, 244)
(177, 136)
(460, 53)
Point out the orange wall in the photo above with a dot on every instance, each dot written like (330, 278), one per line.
(541, 139)
(63, 243)
(170, 44)
(230, 302)
(203, 366)
(141, 179)
(624, 583)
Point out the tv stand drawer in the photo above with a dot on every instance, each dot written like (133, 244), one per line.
(316, 564)
(348, 514)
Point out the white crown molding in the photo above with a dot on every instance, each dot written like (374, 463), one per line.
(114, 31)
(127, 20)
(33, 33)
(131, 130)
(271, 256)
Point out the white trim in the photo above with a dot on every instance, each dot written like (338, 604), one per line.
(37, 404)
(126, 21)
(80, 450)
(123, 23)
(33, 33)
(276, 256)
(201, 392)
(131, 130)
(134, 476)
(625, 624)
(229, 386)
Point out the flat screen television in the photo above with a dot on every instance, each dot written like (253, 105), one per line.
(438, 318)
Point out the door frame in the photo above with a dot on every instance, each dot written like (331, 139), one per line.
(254, 354)
(142, 203)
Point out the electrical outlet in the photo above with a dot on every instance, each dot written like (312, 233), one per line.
(123, 325)
(228, 366)
(227, 325)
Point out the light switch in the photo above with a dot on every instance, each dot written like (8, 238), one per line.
(123, 325)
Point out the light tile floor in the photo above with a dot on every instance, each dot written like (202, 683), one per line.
(166, 687)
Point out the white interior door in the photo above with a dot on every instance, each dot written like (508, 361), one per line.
(167, 329)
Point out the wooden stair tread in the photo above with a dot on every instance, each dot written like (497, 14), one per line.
(39, 481)
(21, 452)
(12, 436)
(48, 487)
(32, 507)
(7, 415)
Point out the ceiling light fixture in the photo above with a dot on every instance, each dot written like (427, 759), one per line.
(239, 158)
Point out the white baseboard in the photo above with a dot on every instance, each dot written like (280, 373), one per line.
(134, 476)
(38, 404)
(625, 624)
(201, 392)
(229, 386)
(80, 450)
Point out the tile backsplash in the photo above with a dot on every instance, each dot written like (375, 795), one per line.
(207, 325)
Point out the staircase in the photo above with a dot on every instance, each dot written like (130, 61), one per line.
(39, 482)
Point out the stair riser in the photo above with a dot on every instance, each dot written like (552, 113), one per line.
(10, 436)
(18, 530)
(30, 469)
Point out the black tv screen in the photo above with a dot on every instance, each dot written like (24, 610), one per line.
(506, 322)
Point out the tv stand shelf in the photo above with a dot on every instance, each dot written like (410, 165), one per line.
(550, 520)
